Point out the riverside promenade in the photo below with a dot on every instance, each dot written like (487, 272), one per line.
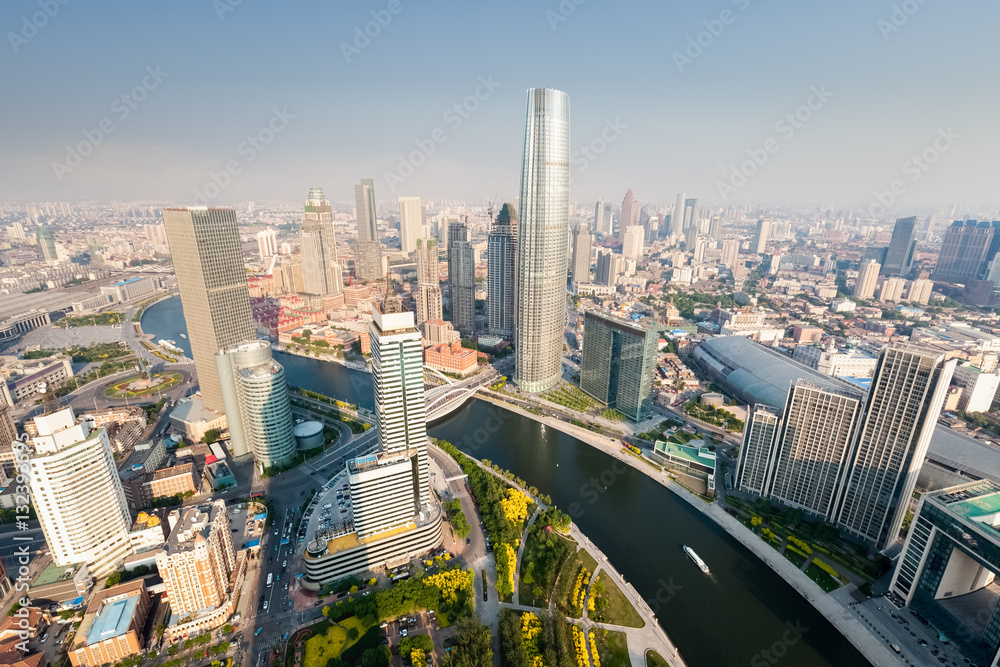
(870, 646)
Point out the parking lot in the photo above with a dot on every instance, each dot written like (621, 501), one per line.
(918, 642)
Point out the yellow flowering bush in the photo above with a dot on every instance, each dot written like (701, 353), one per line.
(515, 506)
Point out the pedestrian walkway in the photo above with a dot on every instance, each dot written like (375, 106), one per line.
(520, 552)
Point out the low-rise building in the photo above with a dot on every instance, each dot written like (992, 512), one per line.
(52, 373)
(193, 419)
(112, 628)
(978, 388)
(699, 461)
(452, 358)
(436, 332)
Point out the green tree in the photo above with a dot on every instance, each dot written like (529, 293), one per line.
(211, 435)
(376, 657)
(472, 647)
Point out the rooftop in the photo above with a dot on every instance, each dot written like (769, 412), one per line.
(194, 524)
(55, 573)
(113, 620)
(192, 410)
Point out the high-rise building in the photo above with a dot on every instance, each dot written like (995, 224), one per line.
(632, 242)
(428, 291)
(629, 215)
(208, 262)
(368, 253)
(267, 244)
(609, 267)
(892, 290)
(762, 235)
(759, 436)
(618, 362)
(462, 278)
(542, 241)
(864, 288)
(258, 410)
(816, 434)
(501, 268)
(8, 434)
(903, 406)
(730, 251)
(411, 221)
(899, 254)
(690, 237)
(677, 219)
(602, 221)
(715, 228)
(582, 241)
(690, 214)
(967, 251)
(321, 270)
(920, 291)
(47, 245)
(77, 493)
(198, 559)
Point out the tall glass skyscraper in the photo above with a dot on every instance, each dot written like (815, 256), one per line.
(619, 359)
(899, 254)
(542, 241)
(320, 268)
(501, 250)
(368, 254)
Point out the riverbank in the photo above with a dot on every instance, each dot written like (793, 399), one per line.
(324, 356)
(834, 612)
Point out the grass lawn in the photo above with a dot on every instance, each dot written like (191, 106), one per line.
(323, 646)
(653, 659)
(564, 586)
(587, 560)
(613, 648)
(825, 581)
(796, 558)
(619, 610)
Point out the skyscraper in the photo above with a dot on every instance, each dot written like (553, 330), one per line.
(368, 254)
(761, 430)
(205, 246)
(601, 220)
(462, 278)
(410, 223)
(690, 214)
(542, 240)
(428, 291)
(690, 237)
(899, 254)
(715, 228)
(267, 244)
(609, 267)
(47, 245)
(903, 406)
(77, 493)
(618, 361)
(763, 233)
(632, 242)
(501, 268)
(677, 219)
(257, 406)
(320, 267)
(730, 251)
(582, 241)
(864, 288)
(629, 215)
(966, 251)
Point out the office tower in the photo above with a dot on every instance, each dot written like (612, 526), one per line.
(629, 215)
(892, 290)
(198, 559)
(618, 362)
(542, 241)
(582, 240)
(816, 434)
(428, 290)
(411, 222)
(602, 219)
(759, 437)
(632, 242)
(690, 214)
(699, 251)
(255, 395)
(394, 490)
(368, 253)
(715, 228)
(267, 244)
(205, 246)
(864, 288)
(920, 291)
(730, 251)
(690, 237)
(321, 270)
(966, 251)
(77, 493)
(444, 222)
(903, 405)
(288, 276)
(762, 235)
(462, 278)
(501, 268)
(47, 245)
(609, 267)
(677, 218)
(899, 254)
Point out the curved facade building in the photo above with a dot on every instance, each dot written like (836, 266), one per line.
(254, 387)
(542, 260)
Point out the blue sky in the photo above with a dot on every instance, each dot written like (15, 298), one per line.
(890, 89)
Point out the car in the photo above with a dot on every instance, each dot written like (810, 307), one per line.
(265, 605)
(402, 632)
(468, 541)
(258, 631)
(284, 564)
(44, 638)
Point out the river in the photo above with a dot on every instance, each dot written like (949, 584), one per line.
(727, 618)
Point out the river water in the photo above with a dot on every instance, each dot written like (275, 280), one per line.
(741, 614)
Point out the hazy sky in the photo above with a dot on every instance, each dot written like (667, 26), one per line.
(885, 86)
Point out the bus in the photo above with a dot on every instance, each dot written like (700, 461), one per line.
(270, 579)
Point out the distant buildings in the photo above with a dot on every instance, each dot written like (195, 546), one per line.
(978, 388)
(618, 362)
(609, 267)
(828, 360)
(462, 278)
(428, 289)
(632, 244)
(864, 288)
(131, 289)
(267, 244)
(542, 241)
(582, 241)
(208, 262)
(899, 254)
(968, 251)
(761, 236)
(730, 253)
(677, 219)
(321, 271)
(411, 223)
(501, 251)
(77, 494)
(602, 219)
(629, 215)
(368, 253)
(452, 358)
